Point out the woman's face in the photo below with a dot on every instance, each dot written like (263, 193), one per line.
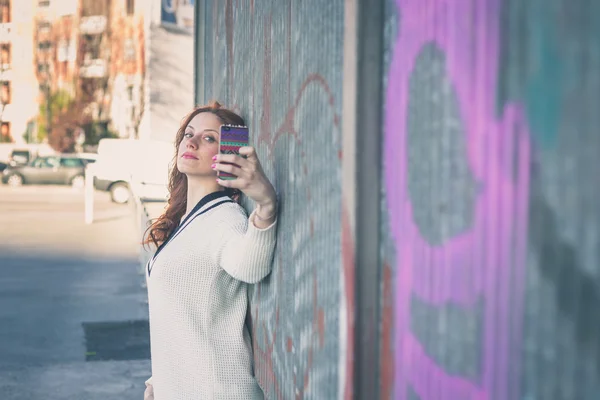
(199, 145)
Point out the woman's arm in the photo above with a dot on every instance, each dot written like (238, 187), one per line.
(264, 216)
(249, 243)
(242, 248)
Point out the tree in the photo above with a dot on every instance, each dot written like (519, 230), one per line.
(65, 116)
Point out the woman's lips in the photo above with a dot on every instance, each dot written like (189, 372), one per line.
(189, 156)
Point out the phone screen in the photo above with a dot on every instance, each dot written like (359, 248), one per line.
(232, 138)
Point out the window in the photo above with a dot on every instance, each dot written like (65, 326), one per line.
(45, 162)
(5, 54)
(5, 92)
(53, 162)
(91, 46)
(5, 132)
(94, 7)
(129, 50)
(43, 68)
(130, 92)
(45, 45)
(4, 11)
(63, 68)
(71, 162)
(130, 7)
(43, 3)
(44, 27)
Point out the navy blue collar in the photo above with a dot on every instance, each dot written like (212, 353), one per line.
(204, 201)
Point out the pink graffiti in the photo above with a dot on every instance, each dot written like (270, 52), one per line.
(492, 252)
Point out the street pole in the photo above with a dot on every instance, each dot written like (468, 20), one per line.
(89, 194)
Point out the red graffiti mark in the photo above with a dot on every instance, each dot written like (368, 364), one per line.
(265, 120)
(264, 358)
(321, 326)
(229, 40)
(387, 326)
(318, 313)
(318, 330)
(290, 344)
(348, 251)
(288, 36)
(288, 124)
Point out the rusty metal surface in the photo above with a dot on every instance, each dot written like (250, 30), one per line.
(279, 64)
(492, 196)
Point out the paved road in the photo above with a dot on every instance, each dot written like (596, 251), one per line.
(73, 312)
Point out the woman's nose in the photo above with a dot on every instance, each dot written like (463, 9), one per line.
(191, 144)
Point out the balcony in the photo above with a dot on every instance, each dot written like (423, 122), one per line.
(93, 69)
(6, 75)
(8, 113)
(93, 25)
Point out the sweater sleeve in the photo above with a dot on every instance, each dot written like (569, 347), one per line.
(244, 251)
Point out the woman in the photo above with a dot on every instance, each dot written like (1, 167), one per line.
(209, 250)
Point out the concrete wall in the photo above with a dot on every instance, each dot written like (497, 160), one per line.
(490, 226)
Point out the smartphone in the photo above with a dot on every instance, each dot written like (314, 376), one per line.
(233, 137)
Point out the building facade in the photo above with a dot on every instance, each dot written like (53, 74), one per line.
(92, 51)
(18, 87)
(170, 67)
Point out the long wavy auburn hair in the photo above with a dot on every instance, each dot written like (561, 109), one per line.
(162, 228)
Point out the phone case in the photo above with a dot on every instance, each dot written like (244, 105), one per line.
(232, 138)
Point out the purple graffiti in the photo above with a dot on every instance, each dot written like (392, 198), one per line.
(492, 251)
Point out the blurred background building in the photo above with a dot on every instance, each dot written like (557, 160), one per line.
(18, 108)
(80, 70)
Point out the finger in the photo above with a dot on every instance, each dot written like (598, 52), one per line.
(231, 158)
(230, 183)
(249, 152)
(229, 168)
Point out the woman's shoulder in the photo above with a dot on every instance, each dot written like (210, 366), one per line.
(232, 208)
(228, 217)
(228, 213)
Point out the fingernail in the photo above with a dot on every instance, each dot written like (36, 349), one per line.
(214, 158)
(213, 166)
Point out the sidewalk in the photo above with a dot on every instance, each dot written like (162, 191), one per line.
(74, 319)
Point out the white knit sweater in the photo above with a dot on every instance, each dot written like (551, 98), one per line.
(197, 292)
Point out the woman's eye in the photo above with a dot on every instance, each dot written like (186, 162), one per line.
(188, 135)
(209, 139)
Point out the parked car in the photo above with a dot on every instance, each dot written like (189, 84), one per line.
(57, 169)
(3, 166)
